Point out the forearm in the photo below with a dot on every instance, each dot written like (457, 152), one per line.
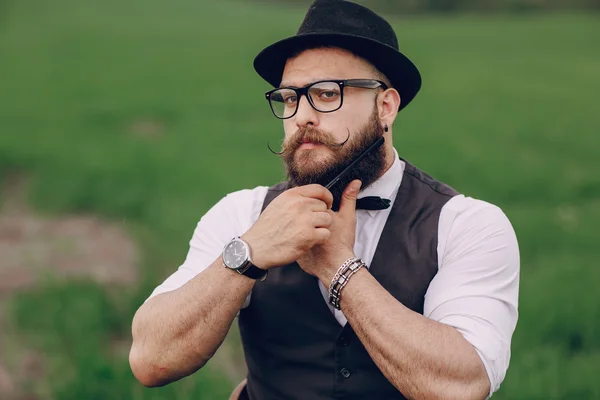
(176, 333)
(423, 358)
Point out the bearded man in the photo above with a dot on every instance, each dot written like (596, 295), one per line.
(389, 285)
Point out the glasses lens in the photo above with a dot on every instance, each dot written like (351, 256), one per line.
(326, 96)
(284, 102)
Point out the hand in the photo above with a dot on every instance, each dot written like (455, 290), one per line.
(324, 259)
(294, 222)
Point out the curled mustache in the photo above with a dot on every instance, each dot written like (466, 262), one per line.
(307, 135)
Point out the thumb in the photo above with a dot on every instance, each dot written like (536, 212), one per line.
(348, 201)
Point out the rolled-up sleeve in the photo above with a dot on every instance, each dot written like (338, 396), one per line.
(232, 216)
(477, 285)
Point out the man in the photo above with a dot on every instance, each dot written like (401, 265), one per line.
(413, 297)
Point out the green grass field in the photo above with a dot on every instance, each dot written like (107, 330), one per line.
(508, 113)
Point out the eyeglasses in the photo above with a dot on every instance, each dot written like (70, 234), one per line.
(323, 96)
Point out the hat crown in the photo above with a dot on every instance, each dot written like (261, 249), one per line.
(347, 18)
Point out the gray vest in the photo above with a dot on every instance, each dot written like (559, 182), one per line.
(294, 346)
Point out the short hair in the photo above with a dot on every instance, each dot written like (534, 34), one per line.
(374, 70)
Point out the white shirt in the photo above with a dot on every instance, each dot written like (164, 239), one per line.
(475, 289)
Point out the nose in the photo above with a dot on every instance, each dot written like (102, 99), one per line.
(306, 114)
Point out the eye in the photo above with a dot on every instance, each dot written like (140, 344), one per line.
(290, 99)
(328, 95)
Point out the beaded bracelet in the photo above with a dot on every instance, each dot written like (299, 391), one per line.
(340, 279)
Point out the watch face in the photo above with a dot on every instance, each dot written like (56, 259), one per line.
(235, 255)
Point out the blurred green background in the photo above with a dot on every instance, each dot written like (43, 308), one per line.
(122, 122)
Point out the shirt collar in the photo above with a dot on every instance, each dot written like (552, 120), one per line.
(387, 185)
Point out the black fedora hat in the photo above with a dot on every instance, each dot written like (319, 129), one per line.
(352, 27)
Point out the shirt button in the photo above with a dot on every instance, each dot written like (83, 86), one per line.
(345, 373)
(344, 341)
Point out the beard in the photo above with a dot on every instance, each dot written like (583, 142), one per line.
(308, 167)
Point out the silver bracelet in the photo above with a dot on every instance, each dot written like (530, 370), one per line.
(336, 294)
(349, 268)
(334, 300)
(341, 270)
(334, 289)
(335, 280)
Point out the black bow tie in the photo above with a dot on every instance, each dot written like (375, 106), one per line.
(372, 203)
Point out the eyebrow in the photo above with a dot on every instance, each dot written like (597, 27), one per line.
(285, 84)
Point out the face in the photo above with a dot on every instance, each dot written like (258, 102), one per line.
(317, 145)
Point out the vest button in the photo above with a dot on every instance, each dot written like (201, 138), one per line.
(344, 341)
(345, 373)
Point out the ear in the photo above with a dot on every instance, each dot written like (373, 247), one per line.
(388, 103)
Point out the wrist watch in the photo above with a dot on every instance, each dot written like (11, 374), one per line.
(236, 256)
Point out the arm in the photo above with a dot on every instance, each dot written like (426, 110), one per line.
(186, 318)
(177, 332)
(458, 349)
(423, 358)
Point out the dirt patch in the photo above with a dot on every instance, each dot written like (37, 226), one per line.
(147, 127)
(34, 247)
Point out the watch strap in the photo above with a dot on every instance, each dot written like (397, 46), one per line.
(253, 272)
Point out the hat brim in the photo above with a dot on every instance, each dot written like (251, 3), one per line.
(402, 73)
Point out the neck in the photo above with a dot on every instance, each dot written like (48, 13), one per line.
(390, 155)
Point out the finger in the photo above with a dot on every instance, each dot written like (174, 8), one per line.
(318, 192)
(348, 201)
(322, 220)
(322, 235)
(316, 205)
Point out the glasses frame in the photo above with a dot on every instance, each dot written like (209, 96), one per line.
(303, 91)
